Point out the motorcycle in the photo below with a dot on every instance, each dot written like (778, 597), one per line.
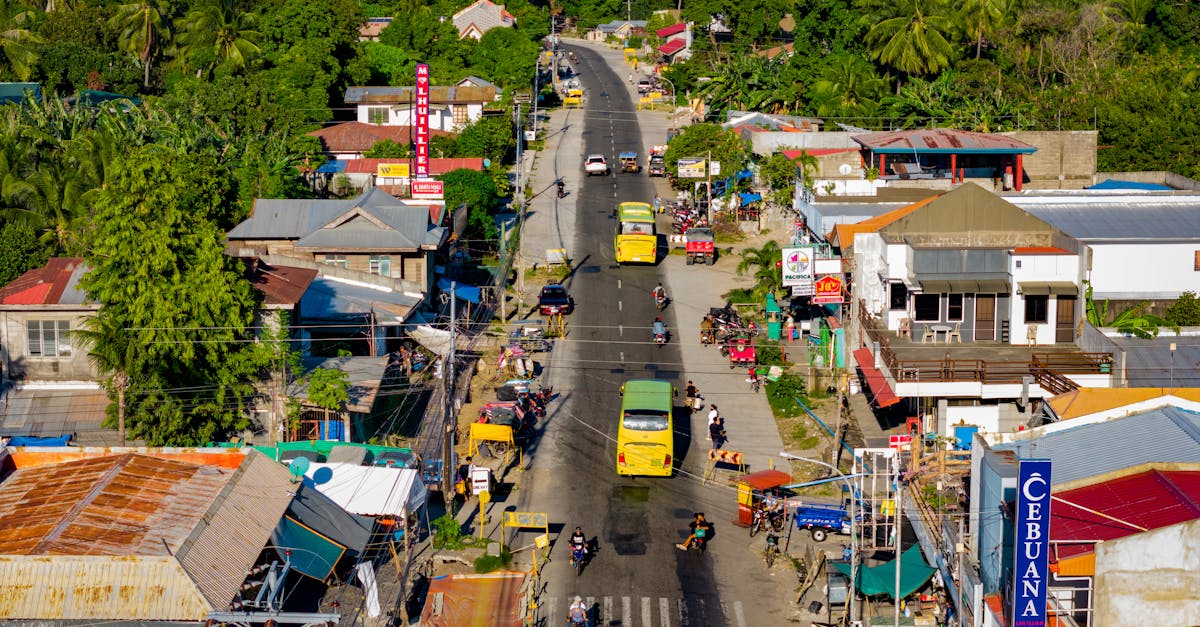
(660, 338)
(562, 193)
(579, 556)
(763, 518)
(754, 380)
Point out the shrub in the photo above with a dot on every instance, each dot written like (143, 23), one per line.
(489, 563)
(447, 533)
(782, 395)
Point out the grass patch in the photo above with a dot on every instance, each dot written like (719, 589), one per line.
(489, 563)
(769, 353)
(802, 439)
(781, 395)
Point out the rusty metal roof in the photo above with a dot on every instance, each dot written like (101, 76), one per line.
(942, 141)
(438, 94)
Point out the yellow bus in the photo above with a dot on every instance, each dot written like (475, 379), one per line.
(636, 238)
(645, 433)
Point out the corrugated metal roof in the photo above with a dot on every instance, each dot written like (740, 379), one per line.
(331, 300)
(1167, 434)
(1086, 401)
(56, 283)
(300, 219)
(98, 588)
(1097, 219)
(1150, 499)
(236, 527)
(438, 94)
(942, 141)
(1150, 363)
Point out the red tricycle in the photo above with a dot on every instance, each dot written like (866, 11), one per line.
(741, 352)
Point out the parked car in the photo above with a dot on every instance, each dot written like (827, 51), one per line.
(555, 299)
(644, 86)
(596, 164)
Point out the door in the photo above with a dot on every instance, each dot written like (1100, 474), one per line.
(985, 317)
(1064, 320)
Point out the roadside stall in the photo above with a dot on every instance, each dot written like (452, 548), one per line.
(750, 490)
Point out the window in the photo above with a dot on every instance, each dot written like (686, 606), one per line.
(954, 307)
(926, 307)
(337, 260)
(1036, 308)
(899, 297)
(378, 115)
(460, 115)
(49, 338)
(381, 264)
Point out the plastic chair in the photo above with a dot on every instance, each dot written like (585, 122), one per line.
(956, 334)
(905, 328)
(929, 335)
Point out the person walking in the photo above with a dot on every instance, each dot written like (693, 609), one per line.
(716, 433)
(713, 414)
(691, 394)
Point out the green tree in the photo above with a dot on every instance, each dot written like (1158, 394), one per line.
(506, 57)
(912, 36)
(20, 251)
(388, 149)
(781, 174)
(159, 269)
(848, 86)
(1185, 311)
(328, 389)
(142, 30)
(218, 32)
(765, 263)
(491, 137)
(478, 192)
(18, 46)
(113, 353)
(701, 140)
(982, 19)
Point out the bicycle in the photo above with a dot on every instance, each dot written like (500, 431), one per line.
(773, 552)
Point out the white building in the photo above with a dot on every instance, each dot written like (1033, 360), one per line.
(450, 108)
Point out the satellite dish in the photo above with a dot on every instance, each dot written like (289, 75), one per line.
(487, 163)
(845, 169)
(298, 467)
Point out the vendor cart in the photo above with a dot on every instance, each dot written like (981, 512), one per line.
(629, 162)
(750, 489)
(530, 335)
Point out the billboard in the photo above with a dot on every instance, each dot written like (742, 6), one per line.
(827, 290)
(399, 170)
(429, 189)
(1030, 564)
(798, 266)
(422, 125)
(692, 168)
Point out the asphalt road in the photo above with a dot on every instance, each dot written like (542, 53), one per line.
(637, 576)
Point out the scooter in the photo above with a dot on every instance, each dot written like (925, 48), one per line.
(578, 557)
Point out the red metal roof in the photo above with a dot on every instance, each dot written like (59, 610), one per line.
(671, 47)
(358, 137)
(883, 394)
(436, 166)
(765, 479)
(671, 30)
(941, 140)
(1150, 499)
(41, 286)
(280, 285)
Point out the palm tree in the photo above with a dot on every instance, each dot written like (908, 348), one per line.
(909, 35)
(18, 46)
(53, 199)
(141, 26)
(848, 86)
(218, 31)
(982, 18)
(767, 264)
(113, 354)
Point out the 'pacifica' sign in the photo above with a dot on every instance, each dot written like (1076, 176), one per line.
(1033, 543)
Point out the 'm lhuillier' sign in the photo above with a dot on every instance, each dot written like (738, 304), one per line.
(422, 143)
(1033, 543)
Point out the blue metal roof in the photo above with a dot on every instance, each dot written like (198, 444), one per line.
(1116, 184)
(1167, 434)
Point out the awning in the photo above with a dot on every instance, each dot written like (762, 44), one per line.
(1046, 288)
(884, 397)
(318, 512)
(469, 293)
(873, 580)
(369, 491)
(749, 198)
(436, 340)
(964, 286)
(312, 554)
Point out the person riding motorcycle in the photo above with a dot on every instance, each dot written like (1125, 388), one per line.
(561, 187)
(701, 530)
(752, 377)
(659, 330)
(578, 542)
(660, 296)
(577, 614)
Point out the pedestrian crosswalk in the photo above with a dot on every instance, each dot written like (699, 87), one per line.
(635, 611)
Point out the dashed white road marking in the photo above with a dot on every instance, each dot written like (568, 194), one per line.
(664, 611)
(646, 611)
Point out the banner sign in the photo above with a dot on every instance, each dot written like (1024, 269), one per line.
(422, 126)
(798, 266)
(399, 170)
(828, 290)
(1033, 543)
(692, 168)
(427, 188)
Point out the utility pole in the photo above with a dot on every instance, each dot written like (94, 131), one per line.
(708, 171)
(503, 296)
(519, 196)
(448, 391)
(898, 530)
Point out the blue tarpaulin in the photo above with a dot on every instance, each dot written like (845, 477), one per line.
(332, 167)
(749, 198)
(1116, 184)
(469, 293)
(744, 174)
(21, 440)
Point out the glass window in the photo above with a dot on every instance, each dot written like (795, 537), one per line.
(646, 420)
(926, 307)
(954, 307)
(637, 228)
(377, 115)
(337, 260)
(460, 114)
(49, 338)
(899, 297)
(1036, 308)
(381, 265)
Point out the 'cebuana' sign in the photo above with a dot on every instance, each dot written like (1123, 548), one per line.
(1030, 567)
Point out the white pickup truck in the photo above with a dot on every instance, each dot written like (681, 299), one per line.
(596, 164)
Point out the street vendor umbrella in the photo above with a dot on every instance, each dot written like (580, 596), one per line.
(881, 579)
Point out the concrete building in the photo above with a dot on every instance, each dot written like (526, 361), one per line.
(480, 17)
(450, 108)
(677, 42)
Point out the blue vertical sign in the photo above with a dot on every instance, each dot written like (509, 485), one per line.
(1030, 568)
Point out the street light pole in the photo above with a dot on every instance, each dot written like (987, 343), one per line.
(853, 521)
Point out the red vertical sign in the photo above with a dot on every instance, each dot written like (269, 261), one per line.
(422, 120)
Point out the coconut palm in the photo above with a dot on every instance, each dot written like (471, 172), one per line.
(766, 263)
(912, 36)
(18, 46)
(113, 354)
(142, 29)
(53, 199)
(217, 33)
(848, 86)
(982, 18)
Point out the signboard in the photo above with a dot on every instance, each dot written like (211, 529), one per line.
(481, 479)
(827, 290)
(422, 125)
(798, 266)
(900, 442)
(526, 519)
(692, 168)
(827, 266)
(399, 170)
(715, 168)
(1033, 544)
(427, 188)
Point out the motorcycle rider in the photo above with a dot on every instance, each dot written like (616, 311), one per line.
(752, 377)
(577, 614)
(659, 329)
(561, 186)
(578, 541)
(660, 296)
(701, 530)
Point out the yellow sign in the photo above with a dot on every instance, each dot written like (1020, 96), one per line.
(527, 519)
(490, 432)
(570, 101)
(399, 170)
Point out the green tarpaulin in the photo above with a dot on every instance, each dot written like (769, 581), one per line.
(873, 580)
(312, 553)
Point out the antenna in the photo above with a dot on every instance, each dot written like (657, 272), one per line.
(297, 468)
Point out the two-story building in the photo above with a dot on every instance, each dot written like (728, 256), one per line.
(450, 108)
(677, 42)
(481, 16)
